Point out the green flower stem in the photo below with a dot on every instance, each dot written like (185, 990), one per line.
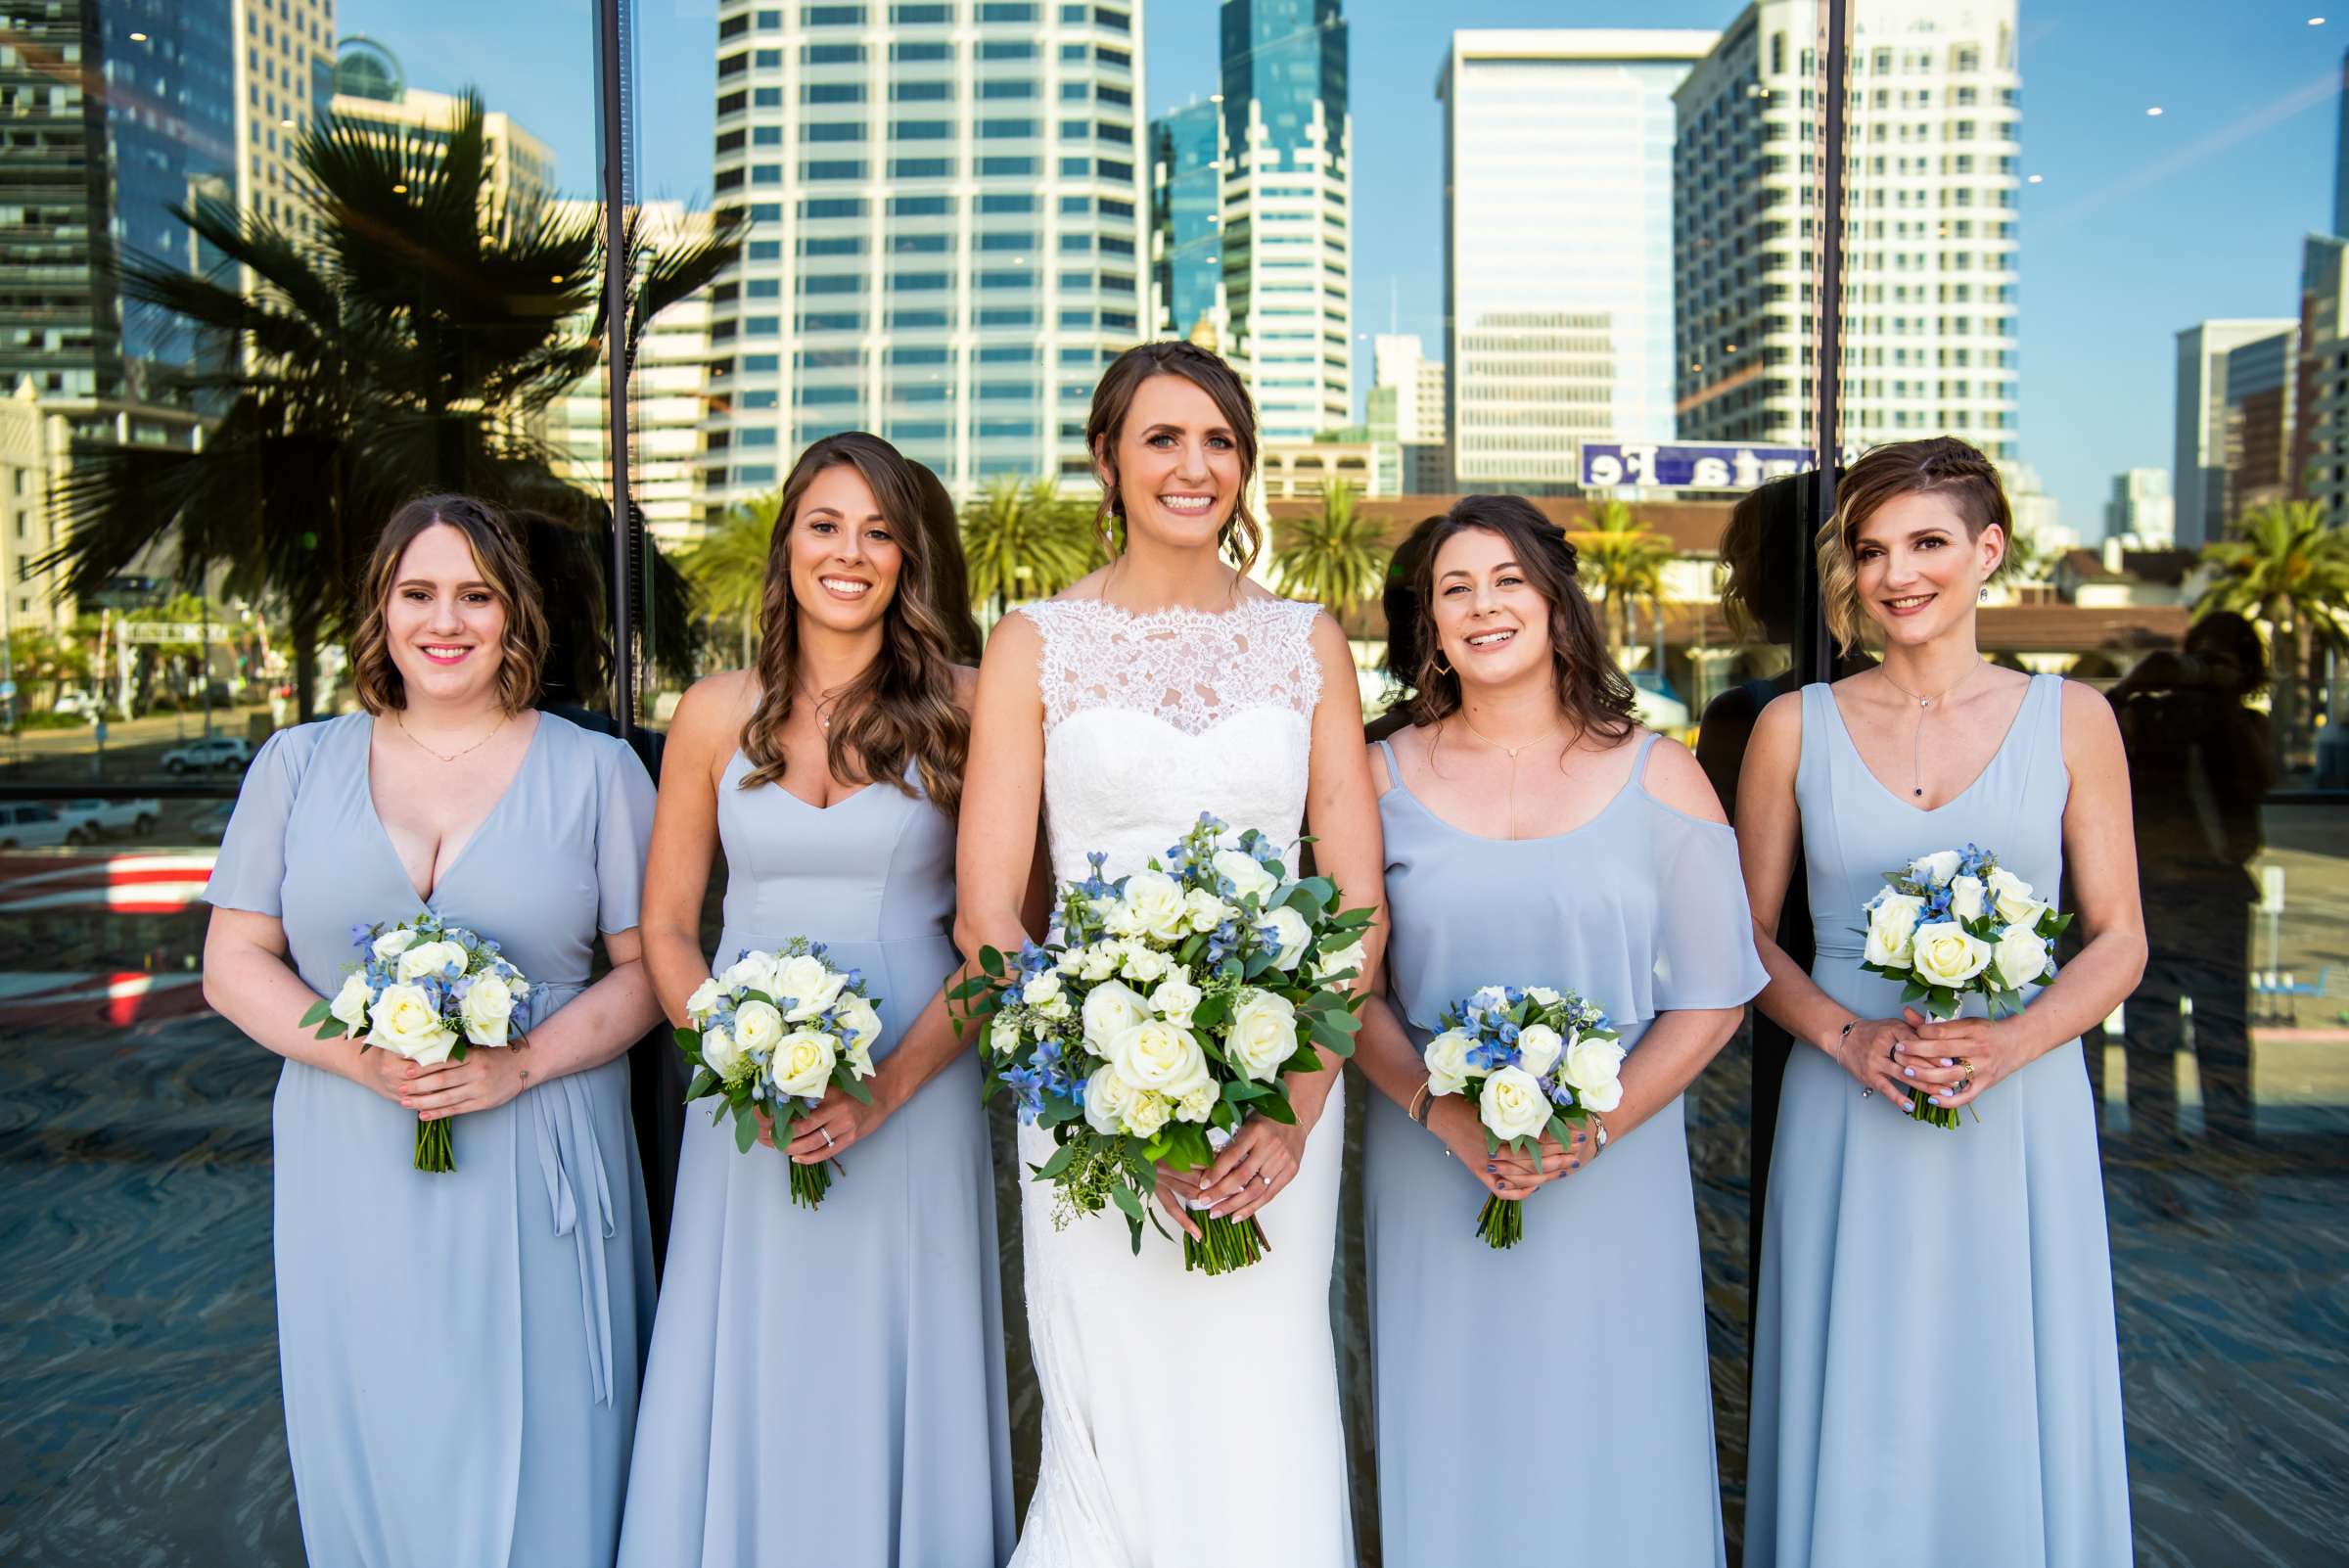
(1224, 1245)
(1501, 1222)
(436, 1150)
(1921, 1107)
(810, 1182)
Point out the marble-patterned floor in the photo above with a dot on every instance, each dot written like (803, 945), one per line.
(139, 1420)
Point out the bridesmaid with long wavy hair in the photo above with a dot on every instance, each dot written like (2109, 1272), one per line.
(826, 1385)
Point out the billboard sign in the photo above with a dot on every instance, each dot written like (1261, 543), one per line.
(1690, 466)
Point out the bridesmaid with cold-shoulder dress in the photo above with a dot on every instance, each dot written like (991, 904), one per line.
(460, 1350)
(826, 1386)
(1552, 1402)
(1936, 1378)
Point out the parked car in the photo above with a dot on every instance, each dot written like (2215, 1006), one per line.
(76, 705)
(211, 825)
(86, 820)
(230, 752)
(31, 827)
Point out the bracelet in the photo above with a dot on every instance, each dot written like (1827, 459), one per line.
(1421, 1102)
(1601, 1124)
(1849, 1025)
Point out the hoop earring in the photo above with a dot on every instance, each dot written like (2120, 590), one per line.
(1443, 668)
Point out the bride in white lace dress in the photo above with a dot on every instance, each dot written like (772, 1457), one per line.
(1187, 1419)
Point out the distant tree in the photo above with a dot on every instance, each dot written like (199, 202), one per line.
(727, 568)
(1334, 557)
(1620, 559)
(1024, 540)
(2287, 571)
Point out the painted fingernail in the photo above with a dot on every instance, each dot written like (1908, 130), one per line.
(1573, 1164)
(1948, 1061)
(1489, 1166)
(1908, 1072)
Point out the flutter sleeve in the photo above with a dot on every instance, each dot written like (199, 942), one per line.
(1704, 941)
(622, 833)
(250, 871)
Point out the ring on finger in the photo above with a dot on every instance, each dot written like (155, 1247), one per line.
(827, 1132)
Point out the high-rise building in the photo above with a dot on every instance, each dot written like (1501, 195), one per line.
(1186, 220)
(28, 598)
(2198, 465)
(1288, 205)
(945, 206)
(1557, 244)
(517, 168)
(2140, 513)
(2261, 381)
(1406, 417)
(2319, 462)
(285, 81)
(1930, 253)
(2340, 157)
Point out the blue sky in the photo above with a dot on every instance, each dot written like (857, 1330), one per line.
(2142, 225)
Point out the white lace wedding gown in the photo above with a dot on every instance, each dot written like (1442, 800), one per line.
(1187, 1420)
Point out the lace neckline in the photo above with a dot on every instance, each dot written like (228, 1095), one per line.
(1191, 667)
(1175, 614)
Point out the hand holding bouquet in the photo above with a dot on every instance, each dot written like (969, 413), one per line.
(1166, 1009)
(1956, 922)
(425, 991)
(773, 1031)
(1538, 1061)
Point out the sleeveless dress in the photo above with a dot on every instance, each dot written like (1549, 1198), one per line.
(826, 1386)
(1187, 1420)
(459, 1351)
(1976, 1258)
(1591, 1331)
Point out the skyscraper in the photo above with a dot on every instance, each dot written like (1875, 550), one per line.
(371, 90)
(2198, 464)
(285, 65)
(1288, 204)
(946, 205)
(1406, 417)
(2140, 512)
(1186, 221)
(2340, 156)
(1557, 244)
(1931, 277)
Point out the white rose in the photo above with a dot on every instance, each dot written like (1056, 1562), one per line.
(1447, 1058)
(2020, 957)
(1946, 954)
(1204, 910)
(1246, 876)
(1148, 1113)
(1004, 1034)
(392, 943)
(1100, 961)
(1891, 928)
(1174, 999)
(1107, 1099)
(1512, 1104)
(1199, 1104)
(1110, 1009)
(2012, 897)
(1292, 933)
(1351, 956)
(752, 971)
(349, 1007)
(1538, 1047)
(430, 958)
(863, 1023)
(758, 1027)
(1154, 1054)
(809, 983)
(803, 1062)
(1936, 869)
(1143, 964)
(1966, 897)
(720, 1054)
(1040, 990)
(486, 1009)
(1543, 997)
(1153, 905)
(1263, 1033)
(859, 1056)
(407, 1024)
(703, 1000)
(1592, 1070)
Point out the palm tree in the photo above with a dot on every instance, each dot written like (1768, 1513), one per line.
(414, 345)
(727, 568)
(1334, 557)
(1621, 560)
(1023, 541)
(2284, 567)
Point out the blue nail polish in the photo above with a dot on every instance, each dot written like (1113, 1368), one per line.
(1573, 1164)
(1490, 1168)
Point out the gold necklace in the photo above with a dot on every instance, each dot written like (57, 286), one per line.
(1550, 734)
(1916, 755)
(400, 724)
(823, 720)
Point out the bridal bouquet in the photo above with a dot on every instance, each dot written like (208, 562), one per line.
(772, 1033)
(425, 989)
(1166, 1007)
(1537, 1060)
(1954, 922)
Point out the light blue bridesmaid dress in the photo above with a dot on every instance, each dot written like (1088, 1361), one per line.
(1936, 1379)
(1554, 1397)
(459, 1351)
(826, 1386)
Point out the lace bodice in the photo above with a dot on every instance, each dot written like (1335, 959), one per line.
(1150, 719)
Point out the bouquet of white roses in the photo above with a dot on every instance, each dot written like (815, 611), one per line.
(1165, 1008)
(773, 1031)
(425, 989)
(1954, 922)
(1539, 1061)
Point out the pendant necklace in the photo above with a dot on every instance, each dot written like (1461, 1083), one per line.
(401, 724)
(1925, 705)
(1511, 751)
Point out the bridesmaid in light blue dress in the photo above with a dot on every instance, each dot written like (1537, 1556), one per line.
(459, 1351)
(826, 1386)
(1936, 1378)
(1554, 1400)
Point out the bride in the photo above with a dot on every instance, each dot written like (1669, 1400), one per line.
(1186, 1418)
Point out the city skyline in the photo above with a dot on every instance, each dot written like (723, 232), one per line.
(2107, 234)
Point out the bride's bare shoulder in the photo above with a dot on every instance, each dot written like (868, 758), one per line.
(1089, 586)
